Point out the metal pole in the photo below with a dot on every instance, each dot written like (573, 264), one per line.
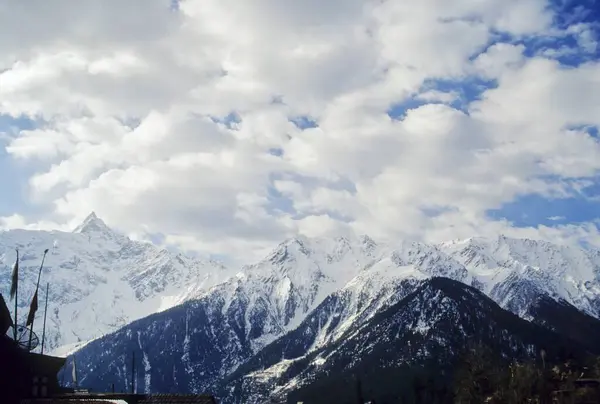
(36, 290)
(16, 299)
(45, 312)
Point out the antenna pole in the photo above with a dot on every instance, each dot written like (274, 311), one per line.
(45, 312)
(35, 295)
(16, 325)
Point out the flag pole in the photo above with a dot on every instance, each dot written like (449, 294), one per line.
(45, 312)
(14, 292)
(32, 310)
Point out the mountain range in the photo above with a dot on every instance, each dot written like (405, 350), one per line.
(99, 279)
(311, 310)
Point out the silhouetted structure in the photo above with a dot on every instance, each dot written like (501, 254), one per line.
(24, 374)
(31, 378)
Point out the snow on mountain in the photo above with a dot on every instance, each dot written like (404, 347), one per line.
(324, 287)
(432, 324)
(515, 272)
(300, 273)
(234, 320)
(316, 290)
(389, 276)
(275, 294)
(99, 280)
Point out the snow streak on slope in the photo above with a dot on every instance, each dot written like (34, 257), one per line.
(276, 294)
(433, 323)
(99, 280)
(383, 283)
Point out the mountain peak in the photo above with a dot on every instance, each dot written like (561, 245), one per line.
(92, 223)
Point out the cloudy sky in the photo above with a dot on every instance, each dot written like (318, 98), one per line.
(225, 126)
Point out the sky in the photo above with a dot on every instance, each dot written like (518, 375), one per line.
(222, 127)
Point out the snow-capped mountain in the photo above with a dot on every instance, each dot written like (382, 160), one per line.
(513, 272)
(198, 347)
(99, 280)
(309, 293)
(195, 345)
(324, 287)
(430, 328)
(201, 342)
(431, 325)
(516, 272)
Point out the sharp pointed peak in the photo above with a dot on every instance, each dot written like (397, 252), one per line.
(91, 223)
(91, 217)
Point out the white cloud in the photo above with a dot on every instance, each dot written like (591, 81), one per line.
(585, 36)
(134, 100)
(499, 59)
(435, 95)
(19, 222)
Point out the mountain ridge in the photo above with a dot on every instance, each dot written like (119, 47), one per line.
(99, 279)
(197, 347)
(404, 336)
(338, 283)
